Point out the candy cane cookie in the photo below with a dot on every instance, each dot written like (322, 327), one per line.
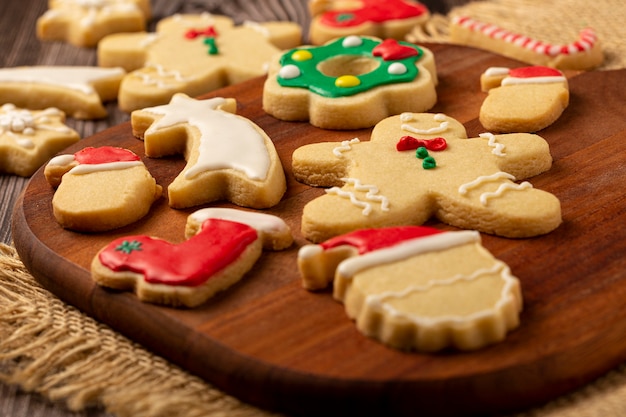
(584, 53)
(417, 288)
(350, 83)
(222, 246)
(389, 19)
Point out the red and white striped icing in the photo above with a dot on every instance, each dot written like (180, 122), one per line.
(586, 40)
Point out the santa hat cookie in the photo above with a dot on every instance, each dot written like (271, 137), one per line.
(417, 288)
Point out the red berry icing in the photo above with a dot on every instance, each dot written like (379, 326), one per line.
(536, 71)
(409, 143)
(368, 240)
(375, 11)
(392, 50)
(190, 263)
(104, 154)
(208, 32)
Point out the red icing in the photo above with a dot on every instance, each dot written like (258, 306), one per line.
(190, 263)
(408, 143)
(391, 50)
(536, 71)
(104, 154)
(194, 33)
(368, 240)
(375, 11)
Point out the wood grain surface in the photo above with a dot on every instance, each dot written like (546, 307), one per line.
(273, 344)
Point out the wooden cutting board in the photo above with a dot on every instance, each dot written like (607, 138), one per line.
(273, 344)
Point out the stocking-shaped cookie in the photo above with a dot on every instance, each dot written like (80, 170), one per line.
(192, 54)
(222, 246)
(84, 23)
(522, 99)
(228, 156)
(417, 166)
(29, 138)
(417, 288)
(100, 189)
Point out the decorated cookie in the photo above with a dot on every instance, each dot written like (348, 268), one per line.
(522, 99)
(350, 83)
(389, 19)
(228, 156)
(192, 54)
(417, 288)
(85, 22)
(420, 165)
(100, 189)
(583, 54)
(222, 246)
(29, 138)
(77, 91)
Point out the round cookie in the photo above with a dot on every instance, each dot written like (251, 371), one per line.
(350, 83)
(389, 19)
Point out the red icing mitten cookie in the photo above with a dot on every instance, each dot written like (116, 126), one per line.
(524, 99)
(228, 156)
(383, 19)
(417, 166)
(416, 287)
(222, 246)
(192, 54)
(100, 189)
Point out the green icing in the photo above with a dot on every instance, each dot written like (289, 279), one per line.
(311, 78)
(128, 247)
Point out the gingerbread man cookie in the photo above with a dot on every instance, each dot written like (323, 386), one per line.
(350, 83)
(85, 22)
(390, 19)
(417, 288)
(524, 99)
(29, 138)
(584, 53)
(77, 91)
(417, 166)
(100, 189)
(228, 156)
(192, 54)
(222, 246)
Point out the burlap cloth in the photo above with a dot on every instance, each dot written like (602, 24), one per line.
(53, 349)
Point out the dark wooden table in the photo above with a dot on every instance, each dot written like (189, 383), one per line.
(20, 46)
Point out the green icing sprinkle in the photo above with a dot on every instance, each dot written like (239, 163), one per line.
(311, 78)
(212, 46)
(429, 163)
(128, 247)
(421, 152)
(345, 17)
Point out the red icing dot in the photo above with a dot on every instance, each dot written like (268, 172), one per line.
(104, 154)
(368, 240)
(536, 71)
(190, 263)
(194, 33)
(375, 11)
(409, 143)
(391, 50)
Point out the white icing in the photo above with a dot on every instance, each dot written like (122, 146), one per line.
(82, 169)
(226, 140)
(259, 221)
(61, 160)
(289, 71)
(533, 80)
(498, 148)
(22, 122)
(439, 117)
(309, 251)
(164, 78)
(484, 198)
(397, 68)
(71, 77)
(438, 242)
(371, 195)
(496, 71)
(464, 188)
(352, 41)
(345, 147)
(257, 27)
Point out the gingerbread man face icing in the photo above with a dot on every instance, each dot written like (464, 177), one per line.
(222, 246)
(192, 54)
(228, 156)
(389, 19)
(85, 22)
(406, 174)
(350, 83)
(417, 288)
(29, 138)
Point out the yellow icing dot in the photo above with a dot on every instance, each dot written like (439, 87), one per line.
(347, 81)
(301, 55)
